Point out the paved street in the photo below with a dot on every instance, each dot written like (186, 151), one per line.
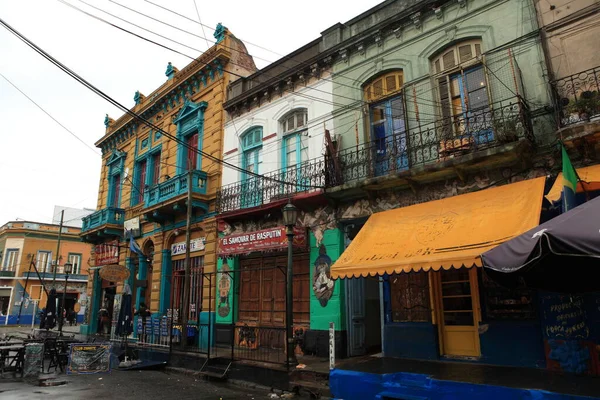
(129, 385)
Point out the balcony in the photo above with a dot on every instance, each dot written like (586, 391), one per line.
(306, 178)
(60, 277)
(175, 187)
(164, 200)
(437, 148)
(105, 222)
(7, 274)
(578, 97)
(578, 109)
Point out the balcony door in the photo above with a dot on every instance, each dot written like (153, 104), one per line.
(388, 130)
(251, 193)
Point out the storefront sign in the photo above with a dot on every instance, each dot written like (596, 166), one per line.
(107, 253)
(89, 358)
(132, 225)
(266, 239)
(114, 273)
(195, 245)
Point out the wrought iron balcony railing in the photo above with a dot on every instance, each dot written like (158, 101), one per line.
(578, 97)
(7, 274)
(251, 192)
(494, 125)
(174, 187)
(106, 216)
(59, 276)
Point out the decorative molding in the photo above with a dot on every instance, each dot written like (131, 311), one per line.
(398, 32)
(171, 70)
(272, 135)
(361, 48)
(219, 34)
(416, 20)
(439, 13)
(451, 33)
(230, 151)
(344, 55)
(462, 3)
(378, 37)
(138, 97)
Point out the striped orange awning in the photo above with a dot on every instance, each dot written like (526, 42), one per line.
(590, 181)
(445, 233)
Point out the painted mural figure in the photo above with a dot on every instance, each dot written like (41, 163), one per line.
(224, 289)
(322, 283)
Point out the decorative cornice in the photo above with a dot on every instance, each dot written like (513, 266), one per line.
(166, 101)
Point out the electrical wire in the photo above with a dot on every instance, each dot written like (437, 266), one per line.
(132, 113)
(49, 115)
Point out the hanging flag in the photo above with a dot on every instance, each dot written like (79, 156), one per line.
(133, 246)
(569, 181)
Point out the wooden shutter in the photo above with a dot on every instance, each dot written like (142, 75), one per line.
(448, 60)
(192, 155)
(465, 53)
(445, 107)
(155, 168)
(141, 182)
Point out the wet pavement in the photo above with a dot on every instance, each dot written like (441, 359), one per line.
(128, 385)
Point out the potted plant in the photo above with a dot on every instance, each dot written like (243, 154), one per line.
(506, 129)
(586, 107)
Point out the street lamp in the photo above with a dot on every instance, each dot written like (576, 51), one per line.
(290, 215)
(67, 269)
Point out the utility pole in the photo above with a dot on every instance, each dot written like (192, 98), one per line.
(62, 214)
(186, 278)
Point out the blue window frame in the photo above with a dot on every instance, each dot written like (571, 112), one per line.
(388, 131)
(11, 257)
(115, 166)
(251, 142)
(190, 130)
(294, 145)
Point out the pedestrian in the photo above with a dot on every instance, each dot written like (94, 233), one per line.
(43, 318)
(104, 325)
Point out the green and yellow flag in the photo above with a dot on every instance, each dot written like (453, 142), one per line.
(569, 181)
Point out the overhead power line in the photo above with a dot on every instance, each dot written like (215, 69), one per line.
(48, 114)
(132, 113)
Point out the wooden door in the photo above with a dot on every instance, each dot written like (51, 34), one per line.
(249, 297)
(458, 305)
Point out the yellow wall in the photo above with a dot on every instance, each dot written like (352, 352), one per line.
(212, 143)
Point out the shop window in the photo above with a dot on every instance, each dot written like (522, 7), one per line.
(196, 285)
(502, 303)
(409, 297)
(10, 260)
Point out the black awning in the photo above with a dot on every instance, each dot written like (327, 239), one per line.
(560, 255)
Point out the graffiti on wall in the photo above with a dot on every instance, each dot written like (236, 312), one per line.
(323, 285)
(326, 218)
(224, 287)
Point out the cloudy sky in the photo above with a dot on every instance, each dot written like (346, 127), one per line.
(43, 164)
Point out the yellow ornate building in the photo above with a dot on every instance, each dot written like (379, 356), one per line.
(143, 187)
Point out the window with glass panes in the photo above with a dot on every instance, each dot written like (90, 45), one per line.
(295, 139)
(44, 261)
(462, 85)
(388, 121)
(10, 260)
(75, 260)
(251, 146)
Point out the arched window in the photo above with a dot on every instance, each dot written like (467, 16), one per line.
(294, 138)
(387, 121)
(462, 87)
(251, 146)
(251, 143)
